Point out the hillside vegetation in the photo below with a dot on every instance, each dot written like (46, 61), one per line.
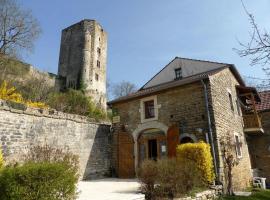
(37, 89)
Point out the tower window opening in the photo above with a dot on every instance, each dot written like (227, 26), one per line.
(98, 51)
(96, 77)
(98, 64)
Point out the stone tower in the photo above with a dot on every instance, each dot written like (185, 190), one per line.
(82, 60)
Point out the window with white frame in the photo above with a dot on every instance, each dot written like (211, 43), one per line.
(149, 109)
(238, 145)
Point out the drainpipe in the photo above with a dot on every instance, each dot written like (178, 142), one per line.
(209, 136)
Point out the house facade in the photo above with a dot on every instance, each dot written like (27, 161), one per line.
(187, 101)
(259, 144)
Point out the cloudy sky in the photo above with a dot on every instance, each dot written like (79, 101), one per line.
(145, 35)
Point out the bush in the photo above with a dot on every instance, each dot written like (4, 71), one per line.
(75, 102)
(43, 181)
(200, 154)
(147, 175)
(1, 159)
(48, 154)
(9, 93)
(168, 178)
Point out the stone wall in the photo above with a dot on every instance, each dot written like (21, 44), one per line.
(182, 106)
(19, 129)
(228, 121)
(259, 148)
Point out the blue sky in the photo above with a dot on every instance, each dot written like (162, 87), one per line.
(145, 35)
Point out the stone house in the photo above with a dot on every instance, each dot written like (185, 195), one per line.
(187, 101)
(259, 144)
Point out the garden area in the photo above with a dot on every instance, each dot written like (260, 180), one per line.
(256, 195)
(45, 173)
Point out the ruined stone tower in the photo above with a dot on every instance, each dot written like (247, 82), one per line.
(82, 60)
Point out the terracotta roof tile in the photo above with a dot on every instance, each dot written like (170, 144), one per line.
(265, 101)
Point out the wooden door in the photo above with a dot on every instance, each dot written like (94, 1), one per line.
(172, 140)
(126, 167)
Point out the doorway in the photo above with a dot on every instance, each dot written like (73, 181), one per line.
(152, 149)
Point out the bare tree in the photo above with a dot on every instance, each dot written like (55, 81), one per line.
(229, 159)
(123, 88)
(18, 28)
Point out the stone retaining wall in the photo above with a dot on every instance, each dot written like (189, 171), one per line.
(210, 194)
(23, 127)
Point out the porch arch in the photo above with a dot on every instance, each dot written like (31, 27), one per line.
(142, 127)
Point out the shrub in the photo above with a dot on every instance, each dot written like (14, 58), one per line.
(11, 94)
(200, 154)
(1, 159)
(43, 181)
(147, 175)
(48, 154)
(177, 178)
(75, 102)
(168, 178)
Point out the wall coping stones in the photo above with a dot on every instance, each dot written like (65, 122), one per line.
(51, 113)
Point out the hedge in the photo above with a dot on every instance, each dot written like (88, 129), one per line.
(43, 181)
(200, 153)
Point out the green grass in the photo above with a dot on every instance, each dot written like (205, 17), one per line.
(257, 195)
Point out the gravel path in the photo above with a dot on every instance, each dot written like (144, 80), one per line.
(110, 189)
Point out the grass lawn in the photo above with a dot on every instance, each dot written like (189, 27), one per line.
(258, 195)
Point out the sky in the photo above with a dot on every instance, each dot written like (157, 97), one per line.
(145, 35)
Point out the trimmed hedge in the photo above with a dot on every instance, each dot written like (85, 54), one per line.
(43, 181)
(199, 153)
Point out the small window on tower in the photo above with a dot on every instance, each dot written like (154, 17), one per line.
(98, 64)
(96, 77)
(98, 51)
(178, 73)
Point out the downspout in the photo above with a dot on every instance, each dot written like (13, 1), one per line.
(209, 136)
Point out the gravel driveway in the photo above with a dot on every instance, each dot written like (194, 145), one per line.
(110, 189)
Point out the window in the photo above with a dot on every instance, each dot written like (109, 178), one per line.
(178, 73)
(98, 51)
(231, 101)
(149, 109)
(98, 64)
(238, 146)
(96, 77)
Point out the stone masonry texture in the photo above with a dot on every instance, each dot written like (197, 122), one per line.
(89, 140)
(83, 59)
(185, 107)
(229, 122)
(259, 148)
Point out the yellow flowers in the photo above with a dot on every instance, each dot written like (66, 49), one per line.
(199, 153)
(10, 94)
(1, 159)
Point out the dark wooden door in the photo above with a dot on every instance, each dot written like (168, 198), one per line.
(172, 140)
(126, 167)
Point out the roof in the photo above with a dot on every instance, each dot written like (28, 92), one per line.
(165, 86)
(244, 90)
(189, 67)
(265, 101)
(175, 83)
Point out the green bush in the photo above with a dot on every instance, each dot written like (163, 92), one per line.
(42, 181)
(75, 102)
